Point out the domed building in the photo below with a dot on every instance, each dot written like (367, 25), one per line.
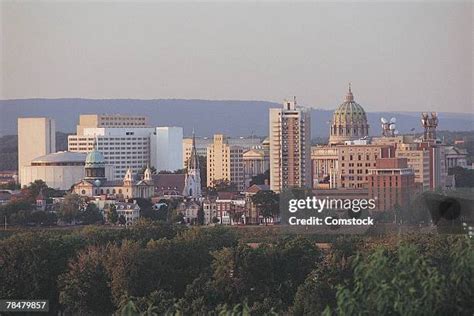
(349, 121)
(95, 182)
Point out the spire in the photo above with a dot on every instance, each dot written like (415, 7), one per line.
(349, 96)
(193, 160)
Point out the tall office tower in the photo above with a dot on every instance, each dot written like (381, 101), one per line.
(110, 120)
(122, 147)
(166, 148)
(290, 147)
(36, 137)
(224, 163)
(391, 183)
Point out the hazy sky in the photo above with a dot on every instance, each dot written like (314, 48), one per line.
(398, 55)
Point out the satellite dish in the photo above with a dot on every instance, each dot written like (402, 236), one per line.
(396, 132)
(383, 120)
(392, 127)
(393, 120)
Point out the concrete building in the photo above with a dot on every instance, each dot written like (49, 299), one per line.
(110, 120)
(349, 121)
(60, 170)
(419, 160)
(224, 163)
(166, 149)
(36, 137)
(355, 161)
(391, 183)
(123, 148)
(290, 147)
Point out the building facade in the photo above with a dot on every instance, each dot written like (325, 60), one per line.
(109, 121)
(290, 150)
(36, 137)
(224, 163)
(123, 148)
(166, 149)
(391, 183)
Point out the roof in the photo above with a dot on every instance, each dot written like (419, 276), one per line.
(169, 181)
(95, 158)
(227, 195)
(61, 156)
(258, 187)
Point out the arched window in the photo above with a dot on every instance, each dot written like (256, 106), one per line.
(108, 191)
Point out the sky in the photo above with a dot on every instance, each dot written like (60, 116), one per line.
(403, 56)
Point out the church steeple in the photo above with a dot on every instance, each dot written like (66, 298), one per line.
(193, 159)
(192, 184)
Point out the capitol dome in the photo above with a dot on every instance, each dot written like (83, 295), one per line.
(349, 121)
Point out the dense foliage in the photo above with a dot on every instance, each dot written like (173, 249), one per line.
(155, 269)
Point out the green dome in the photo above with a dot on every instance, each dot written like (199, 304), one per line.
(350, 112)
(95, 159)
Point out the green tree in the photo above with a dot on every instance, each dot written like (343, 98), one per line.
(70, 207)
(84, 288)
(112, 214)
(200, 216)
(267, 203)
(91, 215)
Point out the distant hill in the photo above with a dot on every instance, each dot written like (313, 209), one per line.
(233, 118)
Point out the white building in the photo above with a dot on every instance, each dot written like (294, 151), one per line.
(59, 170)
(290, 147)
(36, 137)
(130, 211)
(166, 148)
(122, 148)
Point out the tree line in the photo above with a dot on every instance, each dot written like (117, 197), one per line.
(157, 268)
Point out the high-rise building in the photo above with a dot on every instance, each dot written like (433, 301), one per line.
(349, 121)
(391, 183)
(110, 120)
(36, 137)
(290, 147)
(166, 149)
(122, 147)
(224, 163)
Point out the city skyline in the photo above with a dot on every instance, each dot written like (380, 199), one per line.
(406, 55)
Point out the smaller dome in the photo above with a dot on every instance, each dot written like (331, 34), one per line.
(95, 158)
